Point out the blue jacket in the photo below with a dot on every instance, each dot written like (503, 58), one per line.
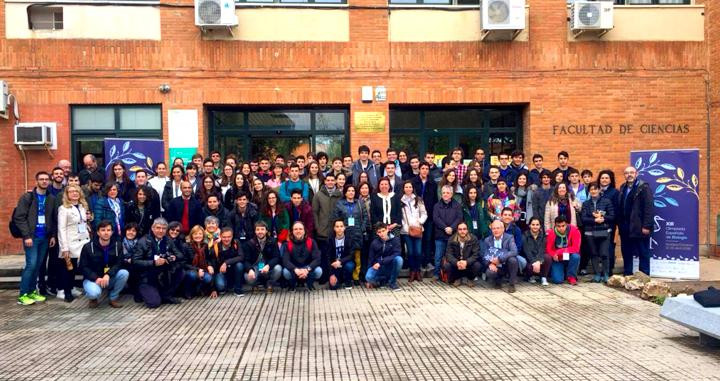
(515, 231)
(508, 250)
(383, 252)
(287, 187)
(103, 211)
(371, 171)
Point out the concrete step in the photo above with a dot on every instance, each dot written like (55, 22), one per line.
(9, 282)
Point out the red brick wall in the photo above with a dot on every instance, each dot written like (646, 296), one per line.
(556, 81)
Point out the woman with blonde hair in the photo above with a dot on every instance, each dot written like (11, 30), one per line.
(201, 267)
(73, 234)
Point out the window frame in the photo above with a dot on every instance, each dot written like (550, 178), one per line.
(53, 11)
(117, 132)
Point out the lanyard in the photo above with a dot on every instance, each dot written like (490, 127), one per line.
(106, 254)
(350, 208)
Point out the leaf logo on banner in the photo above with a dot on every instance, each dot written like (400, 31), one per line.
(676, 183)
(663, 180)
(681, 173)
(137, 160)
(656, 172)
(675, 187)
(695, 180)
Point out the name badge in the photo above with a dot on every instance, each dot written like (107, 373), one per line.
(41, 220)
(106, 270)
(156, 257)
(566, 256)
(82, 228)
(475, 225)
(351, 221)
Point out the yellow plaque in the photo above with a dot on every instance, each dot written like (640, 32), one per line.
(369, 121)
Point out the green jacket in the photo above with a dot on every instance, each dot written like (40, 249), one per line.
(482, 219)
(323, 205)
(282, 228)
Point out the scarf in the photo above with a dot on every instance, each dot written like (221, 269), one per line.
(561, 240)
(199, 259)
(386, 206)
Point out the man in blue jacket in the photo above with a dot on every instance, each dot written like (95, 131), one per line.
(500, 256)
(294, 182)
(384, 259)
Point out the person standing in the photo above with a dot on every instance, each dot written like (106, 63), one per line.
(635, 219)
(172, 187)
(447, 214)
(185, 209)
(300, 210)
(73, 234)
(356, 219)
(294, 182)
(323, 206)
(598, 216)
(91, 166)
(414, 217)
(426, 189)
(158, 181)
(35, 221)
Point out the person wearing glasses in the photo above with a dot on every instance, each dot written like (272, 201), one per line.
(635, 219)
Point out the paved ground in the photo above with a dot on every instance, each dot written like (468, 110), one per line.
(425, 331)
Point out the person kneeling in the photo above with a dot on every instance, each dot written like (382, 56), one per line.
(341, 256)
(201, 267)
(262, 259)
(534, 248)
(158, 262)
(563, 245)
(301, 258)
(228, 256)
(101, 266)
(384, 259)
(461, 256)
(500, 256)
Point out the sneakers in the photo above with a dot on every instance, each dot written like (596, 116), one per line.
(597, 278)
(25, 300)
(60, 294)
(77, 292)
(348, 286)
(544, 282)
(239, 293)
(511, 288)
(35, 295)
(572, 280)
(394, 287)
(533, 280)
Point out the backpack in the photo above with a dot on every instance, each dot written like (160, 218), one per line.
(308, 244)
(14, 229)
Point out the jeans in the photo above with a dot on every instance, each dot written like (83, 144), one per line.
(635, 247)
(192, 280)
(237, 277)
(387, 273)
(440, 246)
(414, 251)
(34, 258)
(344, 274)
(559, 269)
(262, 278)
(313, 275)
(509, 268)
(116, 284)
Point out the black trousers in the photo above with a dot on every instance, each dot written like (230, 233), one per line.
(470, 272)
(67, 277)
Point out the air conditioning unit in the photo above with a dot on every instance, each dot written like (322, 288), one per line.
(37, 135)
(211, 14)
(503, 14)
(3, 97)
(591, 15)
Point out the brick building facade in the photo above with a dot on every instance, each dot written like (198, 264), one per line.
(563, 89)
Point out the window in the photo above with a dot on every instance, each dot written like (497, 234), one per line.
(249, 133)
(438, 130)
(437, 2)
(652, 2)
(92, 124)
(45, 18)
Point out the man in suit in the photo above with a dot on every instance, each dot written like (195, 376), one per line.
(185, 209)
(500, 256)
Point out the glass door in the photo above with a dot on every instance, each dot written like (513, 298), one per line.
(272, 145)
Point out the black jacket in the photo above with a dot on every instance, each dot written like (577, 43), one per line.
(144, 220)
(244, 224)
(152, 196)
(470, 251)
(300, 256)
(636, 211)
(444, 215)
(589, 206)
(220, 213)
(92, 259)
(430, 197)
(174, 211)
(230, 256)
(348, 253)
(168, 195)
(144, 257)
(534, 249)
(376, 209)
(270, 253)
(25, 216)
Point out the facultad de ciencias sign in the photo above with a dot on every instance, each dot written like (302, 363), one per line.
(622, 129)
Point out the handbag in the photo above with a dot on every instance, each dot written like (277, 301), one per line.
(413, 231)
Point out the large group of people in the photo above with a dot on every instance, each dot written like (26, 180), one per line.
(209, 226)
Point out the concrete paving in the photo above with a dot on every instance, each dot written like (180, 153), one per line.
(427, 331)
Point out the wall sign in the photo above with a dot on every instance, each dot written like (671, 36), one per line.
(369, 121)
(621, 129)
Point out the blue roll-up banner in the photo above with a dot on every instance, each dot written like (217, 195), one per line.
(134, 153)
(673, 176)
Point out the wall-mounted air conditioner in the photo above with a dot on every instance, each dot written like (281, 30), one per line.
(504, 19)
(591, 16)
(211, 14)
(4, 94)
(36, 135)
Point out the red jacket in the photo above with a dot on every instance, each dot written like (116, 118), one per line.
(306, 216)
(573, 247)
